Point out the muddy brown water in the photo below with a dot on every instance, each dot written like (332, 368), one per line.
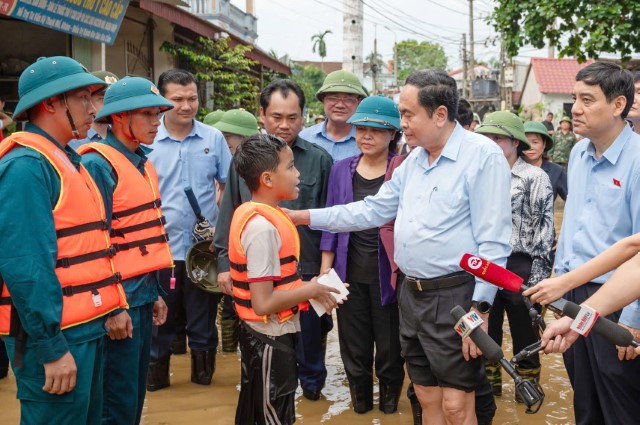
(187, 403)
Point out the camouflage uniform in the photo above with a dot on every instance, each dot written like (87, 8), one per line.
(562, 145)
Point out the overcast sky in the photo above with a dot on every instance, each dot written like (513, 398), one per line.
(287, 26)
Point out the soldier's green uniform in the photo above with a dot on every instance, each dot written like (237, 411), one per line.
(562, 145)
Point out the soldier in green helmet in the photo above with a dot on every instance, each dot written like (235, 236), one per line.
(128, 183)
(236, 125)
(541, 143)
(213, 117)
(531, 240)
(57, 362)
(98, 131)
(341, 92)
(563, 141)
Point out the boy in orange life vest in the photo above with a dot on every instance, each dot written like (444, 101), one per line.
(264, 248)
(129, 186)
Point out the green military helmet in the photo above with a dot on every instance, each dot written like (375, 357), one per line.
(107, 77)
(129, 94)
(504, 123)
(476, 118)
(539, 128)
(238, 121)
(341, 82)
(378, 112)
(202, 266)
(213, 117)
(48, 77)
(566, 118)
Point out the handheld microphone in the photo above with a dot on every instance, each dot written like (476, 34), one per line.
(501, 277)
(529, 391)
(604, 327)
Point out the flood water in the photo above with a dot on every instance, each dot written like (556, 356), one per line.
(187, 403)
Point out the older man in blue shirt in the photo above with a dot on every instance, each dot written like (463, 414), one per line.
(341, 92)
(603, 206)
(186, 153)
(450, 196)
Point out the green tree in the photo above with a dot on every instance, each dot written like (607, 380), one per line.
(310, 79)
(227, 67)
(414, 55)
(578, 28)
(320, 46)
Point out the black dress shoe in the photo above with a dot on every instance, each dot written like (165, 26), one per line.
(313, 395)
(389, 397)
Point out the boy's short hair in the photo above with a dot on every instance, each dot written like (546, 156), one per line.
(175, 76)
(465, 113)
(612, 79)
(256, 155)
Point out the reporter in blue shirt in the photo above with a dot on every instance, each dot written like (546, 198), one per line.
(450, 196)
(186, 153)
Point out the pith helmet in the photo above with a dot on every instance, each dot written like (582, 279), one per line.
(378, 112)
(129, 94)
(341, 82)
(213, 117)
(539, 128)
(238, 121)
(48, 77)
(476, 118)
(504, 123)
(566, 118)
(107, 77)
(202, 267)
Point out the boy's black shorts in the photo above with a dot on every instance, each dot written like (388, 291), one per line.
(268, 380)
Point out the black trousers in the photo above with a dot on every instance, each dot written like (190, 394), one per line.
(368, 334)
(522, 331)
(606, 391)
(200, 309)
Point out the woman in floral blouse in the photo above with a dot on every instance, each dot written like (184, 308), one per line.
(531, 239)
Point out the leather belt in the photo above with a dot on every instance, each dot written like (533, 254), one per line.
(446, 281)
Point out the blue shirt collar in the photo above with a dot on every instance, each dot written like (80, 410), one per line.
(612, 154)
(322, 127)
(450, 150)
(164, 134)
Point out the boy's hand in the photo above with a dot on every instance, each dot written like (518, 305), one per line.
(322, 294)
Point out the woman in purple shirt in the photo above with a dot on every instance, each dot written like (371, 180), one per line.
(368, 322)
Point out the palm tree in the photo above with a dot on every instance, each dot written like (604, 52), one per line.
(320, 45)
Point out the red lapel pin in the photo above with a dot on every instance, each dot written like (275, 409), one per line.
(616, 182)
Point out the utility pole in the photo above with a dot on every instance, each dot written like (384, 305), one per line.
(465, 73)
(395, 63)
(374, 61)
(472, 63)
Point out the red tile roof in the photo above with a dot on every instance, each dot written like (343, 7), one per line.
(556, 75)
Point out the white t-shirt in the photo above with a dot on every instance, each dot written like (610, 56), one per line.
(261, 243)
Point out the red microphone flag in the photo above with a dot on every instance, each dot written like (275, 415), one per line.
(490, 272)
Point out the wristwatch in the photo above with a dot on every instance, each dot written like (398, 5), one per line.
(483, 307)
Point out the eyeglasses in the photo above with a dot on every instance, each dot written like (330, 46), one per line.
(348, 101)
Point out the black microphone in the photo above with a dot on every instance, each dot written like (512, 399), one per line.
(529, 391)
(604, 327)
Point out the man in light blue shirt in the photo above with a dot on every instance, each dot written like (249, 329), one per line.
(603, 206)
(449, 197)
(341, 92)
(186, 153)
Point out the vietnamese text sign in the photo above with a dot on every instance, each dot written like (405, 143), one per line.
(97, 20)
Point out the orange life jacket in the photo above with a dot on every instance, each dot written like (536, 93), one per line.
(137, 225)
(289, 255)
(90, 286)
